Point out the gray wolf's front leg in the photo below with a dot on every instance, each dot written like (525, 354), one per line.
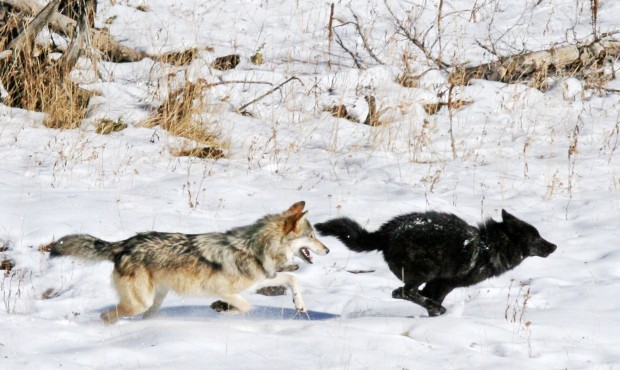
(289, 281)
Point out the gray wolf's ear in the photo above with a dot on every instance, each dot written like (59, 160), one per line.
(295, 208)
(294, 222)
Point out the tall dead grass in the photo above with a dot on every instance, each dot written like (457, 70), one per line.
(182, 114)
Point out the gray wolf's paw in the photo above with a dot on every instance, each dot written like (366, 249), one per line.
(221, 306)
(272, 290)
(302, 309)
(289, 268)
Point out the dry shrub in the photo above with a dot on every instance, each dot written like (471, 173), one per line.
(433, 108)
(226, 62)
(204, 152)
(340, 111)
(409, 80)
(33, 80)
(181, 58)
(6, 265)
(177, 115)
(34, 83)
(108, 126)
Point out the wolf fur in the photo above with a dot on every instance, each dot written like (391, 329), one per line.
(442, 251)
(148, 265)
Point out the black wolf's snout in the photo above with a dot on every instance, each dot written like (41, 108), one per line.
(543, 248)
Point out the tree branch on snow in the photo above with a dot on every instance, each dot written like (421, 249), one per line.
(64, 25)
(574, 58)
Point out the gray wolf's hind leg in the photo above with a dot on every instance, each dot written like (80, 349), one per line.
(221, 306)
(135, 292)
(160, 294)
(411, 293)
(231, 303)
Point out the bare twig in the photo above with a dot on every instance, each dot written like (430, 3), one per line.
(452, 141)
(491, 50)
(242, 108)
(229, 82)
(419, 44)
(330, 35)
(353, 56)
(439, 18)
(364, 41)
(594, 10)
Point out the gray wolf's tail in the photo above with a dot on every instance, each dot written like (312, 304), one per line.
(351, 234)
(84, 246)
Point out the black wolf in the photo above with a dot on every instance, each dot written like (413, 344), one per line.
(442, 250)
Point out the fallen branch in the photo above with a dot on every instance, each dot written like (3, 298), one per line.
(76, 45)
(521, 67)
(35, 26)
(66, 26)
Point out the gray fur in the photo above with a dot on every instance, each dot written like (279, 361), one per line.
(148, 264)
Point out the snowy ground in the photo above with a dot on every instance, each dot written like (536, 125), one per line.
(511, 151)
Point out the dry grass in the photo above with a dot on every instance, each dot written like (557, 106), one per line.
(179, 115)
(108, 126)
(34, 85)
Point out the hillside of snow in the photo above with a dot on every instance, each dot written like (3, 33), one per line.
(549, 157)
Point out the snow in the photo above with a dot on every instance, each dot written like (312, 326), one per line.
(511, 150)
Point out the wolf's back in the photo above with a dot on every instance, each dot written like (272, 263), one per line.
(86, 247)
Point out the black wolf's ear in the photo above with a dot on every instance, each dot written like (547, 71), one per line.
(507, 216)
(295, 208)
(294, 222)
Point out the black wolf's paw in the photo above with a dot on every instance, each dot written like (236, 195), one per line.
(399, 293)
(436, 311)
(221, 306)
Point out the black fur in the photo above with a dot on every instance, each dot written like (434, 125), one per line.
(442, 250)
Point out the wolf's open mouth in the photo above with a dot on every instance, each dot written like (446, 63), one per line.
(305, 254)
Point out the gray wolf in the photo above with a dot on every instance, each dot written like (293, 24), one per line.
(442, 251)
(148, 265)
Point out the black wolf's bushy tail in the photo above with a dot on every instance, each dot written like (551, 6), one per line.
(351, 234)
(84, 246)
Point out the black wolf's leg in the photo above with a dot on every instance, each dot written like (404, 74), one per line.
(437, 290)
(411, 293)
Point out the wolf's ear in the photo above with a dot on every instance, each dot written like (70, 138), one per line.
(294, 222)
(295, 208)
(507, 216)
